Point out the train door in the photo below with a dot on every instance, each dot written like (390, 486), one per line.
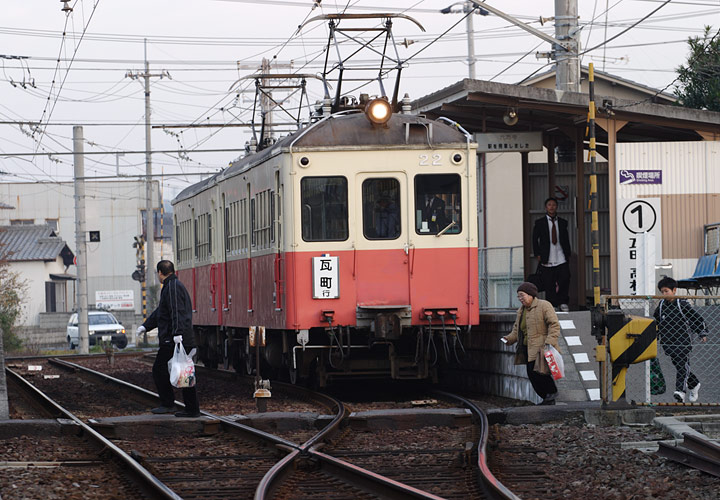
(382, 240)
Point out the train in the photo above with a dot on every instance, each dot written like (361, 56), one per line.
(348, 248)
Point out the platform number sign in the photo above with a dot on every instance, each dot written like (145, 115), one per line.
(326, 281)
(636, 217)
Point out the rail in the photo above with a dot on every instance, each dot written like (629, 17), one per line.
(140, 473)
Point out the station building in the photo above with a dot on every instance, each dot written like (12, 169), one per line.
(671, 153)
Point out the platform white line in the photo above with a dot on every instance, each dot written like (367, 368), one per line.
(573, 340)
(567, 324)
(593, 394)
(588, 375)
(581, 357)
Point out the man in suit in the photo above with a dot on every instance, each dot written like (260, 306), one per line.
(433, 212)
(551, 246)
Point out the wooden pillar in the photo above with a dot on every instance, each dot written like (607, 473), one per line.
(528, 260)
(612, 127)
(580, 203)
(550, 144)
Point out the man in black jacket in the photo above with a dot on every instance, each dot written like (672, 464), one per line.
(173, 319)
(551, 246)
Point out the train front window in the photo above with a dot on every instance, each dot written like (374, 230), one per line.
(381, 209)
(324, 208)
(437, 204)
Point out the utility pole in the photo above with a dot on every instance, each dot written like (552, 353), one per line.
(149, 209)
(468, 7)
(80, 248)
(567, 73)
(565, 45)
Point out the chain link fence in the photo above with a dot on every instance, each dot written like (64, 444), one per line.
(501, 271)
(688, 360)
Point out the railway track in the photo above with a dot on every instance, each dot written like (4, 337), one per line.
(68, 448)
(698, 453)
(217, 458)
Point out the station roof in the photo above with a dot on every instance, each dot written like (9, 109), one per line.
(23, 243)
(480, 105)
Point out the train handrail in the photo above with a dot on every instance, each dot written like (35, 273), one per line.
(328, 117)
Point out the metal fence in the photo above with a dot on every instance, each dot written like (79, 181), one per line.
(688, 350)
(501, 270)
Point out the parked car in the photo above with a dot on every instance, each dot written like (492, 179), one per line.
(100, 324)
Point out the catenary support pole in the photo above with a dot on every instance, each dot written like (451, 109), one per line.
(149, 212)
(80, 246)
(567, 76)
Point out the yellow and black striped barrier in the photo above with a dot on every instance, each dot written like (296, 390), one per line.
(632, 339)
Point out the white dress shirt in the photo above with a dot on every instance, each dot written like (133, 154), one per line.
(557, 256)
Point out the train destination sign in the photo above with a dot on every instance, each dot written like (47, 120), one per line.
(506, 142)
(325, 277)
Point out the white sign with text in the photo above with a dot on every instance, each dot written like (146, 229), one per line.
(115, 299)
(326, 281)
(636, 218)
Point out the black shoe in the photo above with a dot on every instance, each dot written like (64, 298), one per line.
(163, 409)
(549, 399)
(188, 414)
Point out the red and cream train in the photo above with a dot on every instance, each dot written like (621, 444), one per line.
(353, 241)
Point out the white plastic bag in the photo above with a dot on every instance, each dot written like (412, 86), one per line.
(555, 362)
(182, 368)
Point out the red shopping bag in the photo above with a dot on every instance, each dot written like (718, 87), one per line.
(555, 362)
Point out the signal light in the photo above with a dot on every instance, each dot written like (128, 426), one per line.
(378, 111)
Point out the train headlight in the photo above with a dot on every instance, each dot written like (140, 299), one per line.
(378, 111)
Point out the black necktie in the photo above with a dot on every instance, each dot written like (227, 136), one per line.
(554, 232)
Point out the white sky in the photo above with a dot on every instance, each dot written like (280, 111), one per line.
(201, 42)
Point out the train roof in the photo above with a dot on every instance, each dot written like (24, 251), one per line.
(346, 132)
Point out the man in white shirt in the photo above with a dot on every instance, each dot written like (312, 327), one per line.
(551, 246)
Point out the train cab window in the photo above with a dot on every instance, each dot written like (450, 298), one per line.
(437, 204)
(381, 209)
(324, 208)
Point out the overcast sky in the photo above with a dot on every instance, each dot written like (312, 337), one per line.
(206, 46)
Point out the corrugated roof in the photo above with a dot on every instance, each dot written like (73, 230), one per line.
(26, 242)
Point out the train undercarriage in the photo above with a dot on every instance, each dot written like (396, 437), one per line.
(319, 355)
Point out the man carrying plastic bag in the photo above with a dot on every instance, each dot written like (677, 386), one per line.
(173, 319)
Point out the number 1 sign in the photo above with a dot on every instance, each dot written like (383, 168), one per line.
(636, 217)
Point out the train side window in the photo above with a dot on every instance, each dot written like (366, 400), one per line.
(324, 208)
(437, 203)
(243, 226)
(253, 224)
(272, 216)
(381, 209)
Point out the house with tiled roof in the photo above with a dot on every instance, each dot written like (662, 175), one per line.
(41, 259)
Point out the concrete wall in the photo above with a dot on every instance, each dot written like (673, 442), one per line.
(488, 367)
(51, 330)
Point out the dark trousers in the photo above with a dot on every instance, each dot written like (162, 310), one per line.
(556, 282)
(680, 356)
(161, 375)
(543, 384)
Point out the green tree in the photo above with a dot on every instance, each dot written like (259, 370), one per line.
(12, 293)
(699, 80)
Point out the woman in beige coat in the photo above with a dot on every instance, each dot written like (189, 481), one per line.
(536, 325)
